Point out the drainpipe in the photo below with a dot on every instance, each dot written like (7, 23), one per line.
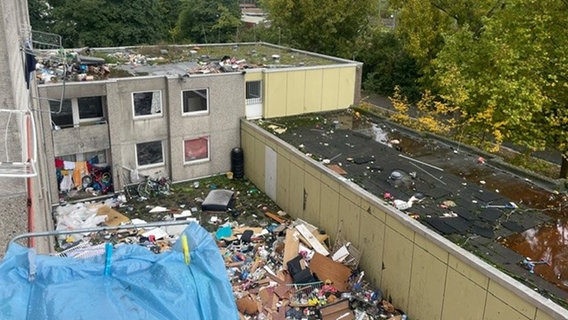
(29, 186)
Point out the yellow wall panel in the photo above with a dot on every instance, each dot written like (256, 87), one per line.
(397, 260)
(430, 247)
(259, 152)
(296, 187)
(350, 194)
(330, 180)
(330, 89)
(495, 308)
(427, 285)
(254, 76)
(511, 299)
(314, 84)
(275, 99)
(393, 223)
(312, 199)
(283, 181)
(463, 299)
(247, 143)
(371, 241)
(349, 217)
(346, 87)
(541, 315)
(477, 277)
(296, 92)
(329, 207)
(372, 210)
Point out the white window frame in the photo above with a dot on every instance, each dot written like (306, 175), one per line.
(197, 160)
(77, 120)
(255, 100)
(151, 115)
(77, 115)
(195, 113)
(150, 165)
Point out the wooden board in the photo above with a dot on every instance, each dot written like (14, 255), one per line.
(314, 243)
(114, 218)
(291, 247)
(327, 269)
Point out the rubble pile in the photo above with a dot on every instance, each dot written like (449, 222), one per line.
(279, 268)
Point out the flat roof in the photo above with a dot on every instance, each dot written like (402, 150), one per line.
(90, 64)
(447, 186)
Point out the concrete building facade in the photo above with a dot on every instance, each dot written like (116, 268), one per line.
(181, 126)
(22, 197)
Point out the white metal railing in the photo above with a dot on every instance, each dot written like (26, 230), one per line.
(25, 166)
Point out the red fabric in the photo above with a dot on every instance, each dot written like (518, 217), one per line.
(58, 163)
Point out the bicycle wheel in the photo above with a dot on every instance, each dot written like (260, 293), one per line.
(164, 187)
(105, 178)
(86, 181)
(143, 189)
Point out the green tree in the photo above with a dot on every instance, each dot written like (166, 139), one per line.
(510, 77)
(387, 65)
(330, 27)
(204, 21)
(39, 11)
(422, 25)
(99, 23)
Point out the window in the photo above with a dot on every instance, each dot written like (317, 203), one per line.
(253, 92)
(72, 112)
(196, 149)
(61, 113)
(195, 101)
(90, 108)
(147, 103)
(149, 153)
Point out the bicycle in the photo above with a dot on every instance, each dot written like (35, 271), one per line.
(100, 180)
(152, 186)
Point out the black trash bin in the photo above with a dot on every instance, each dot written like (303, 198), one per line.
(237, 163)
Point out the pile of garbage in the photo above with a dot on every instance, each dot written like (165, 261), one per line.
(280, 268)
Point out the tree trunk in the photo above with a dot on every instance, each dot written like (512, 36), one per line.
(564, 168)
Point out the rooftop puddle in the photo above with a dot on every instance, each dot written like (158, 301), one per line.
(545, 244)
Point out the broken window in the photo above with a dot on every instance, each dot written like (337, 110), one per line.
(72, 112)
(90, 109)
(196, 149)
(61, 113)
(195, 101)
(149, 153)
(147, 103)
(253, 92)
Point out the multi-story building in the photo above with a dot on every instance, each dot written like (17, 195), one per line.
(151, 115)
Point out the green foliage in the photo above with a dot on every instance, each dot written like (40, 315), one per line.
(102, 23)
(387, 64)
(330, 27)
(510, 79)
(423, 25)
(428, 114)
(204, 21)
(39, 12)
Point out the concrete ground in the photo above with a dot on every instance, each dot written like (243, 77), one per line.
(462, 196)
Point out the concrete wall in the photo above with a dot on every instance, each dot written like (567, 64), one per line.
(122, 130)
(14, 195)
(425, 274)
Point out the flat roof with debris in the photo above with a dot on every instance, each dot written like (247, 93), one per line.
(466, 196)
(89, 64)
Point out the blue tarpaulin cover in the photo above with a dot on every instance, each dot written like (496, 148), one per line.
(141, 284)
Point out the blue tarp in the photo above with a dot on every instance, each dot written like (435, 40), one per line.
(141, 284)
